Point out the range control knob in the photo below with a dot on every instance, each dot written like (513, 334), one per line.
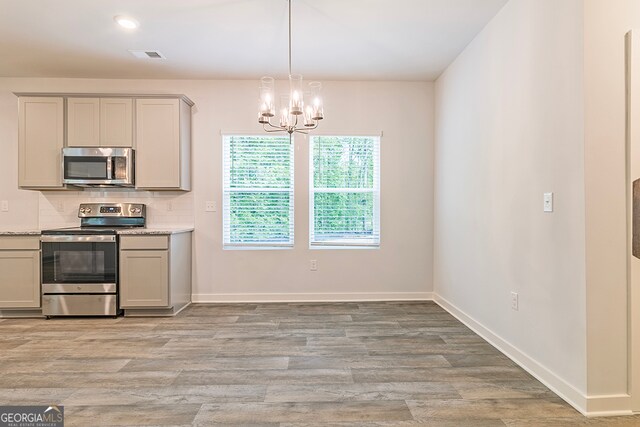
(81, 210)
(88, 210)
(137, 210)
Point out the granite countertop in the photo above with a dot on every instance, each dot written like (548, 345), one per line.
(20, 233)
(139, 231)
(155, 230)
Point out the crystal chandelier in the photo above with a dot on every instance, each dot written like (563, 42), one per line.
(295, 115)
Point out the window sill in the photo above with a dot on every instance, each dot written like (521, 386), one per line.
(341, 247)
(256, 248)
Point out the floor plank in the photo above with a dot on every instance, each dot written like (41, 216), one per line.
(284, 364)
(319, 412)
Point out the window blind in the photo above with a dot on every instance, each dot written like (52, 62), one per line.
(345, 191)
(257, 191)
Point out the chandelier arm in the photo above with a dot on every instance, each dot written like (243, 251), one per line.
(273, 130)
(272, 125)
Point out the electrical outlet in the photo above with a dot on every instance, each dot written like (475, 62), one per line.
(4, 206)
(60, 206)
(514, 301)
(210, 206)
(313, 265)
(547, 202)
(169, 206)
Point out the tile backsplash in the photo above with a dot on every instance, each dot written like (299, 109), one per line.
(164, 208)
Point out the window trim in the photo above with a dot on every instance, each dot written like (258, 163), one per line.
(376, 190)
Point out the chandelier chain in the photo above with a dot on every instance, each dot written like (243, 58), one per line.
(289, 1)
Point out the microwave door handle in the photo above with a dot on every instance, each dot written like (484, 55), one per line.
(109, 167)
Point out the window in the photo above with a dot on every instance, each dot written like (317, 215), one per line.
(258, 191)
(345, 191)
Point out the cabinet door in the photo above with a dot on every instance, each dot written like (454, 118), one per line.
(40, 141)
(144, 279)
(19, 279)
(116, 122)
(83, 122)
(158, 143)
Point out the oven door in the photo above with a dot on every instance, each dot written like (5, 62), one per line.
(79, 264)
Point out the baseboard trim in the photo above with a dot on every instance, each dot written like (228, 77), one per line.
(609, 405)
(559, 386)
(312, 297)
(589, 406)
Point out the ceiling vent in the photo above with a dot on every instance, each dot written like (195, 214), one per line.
(147, 54)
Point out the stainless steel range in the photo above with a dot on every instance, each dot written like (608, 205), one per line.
(80, 264)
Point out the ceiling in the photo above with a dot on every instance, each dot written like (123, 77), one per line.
(238, 39)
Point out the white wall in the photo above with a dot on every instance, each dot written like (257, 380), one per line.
(401, 268)
(509, 127)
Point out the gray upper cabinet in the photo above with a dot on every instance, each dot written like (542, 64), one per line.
(40, 141)
(163, 144)
(158, 127)
(83, 122)
(116, 122)
(99, 122)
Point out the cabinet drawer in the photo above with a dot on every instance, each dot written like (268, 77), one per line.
(144, 242)
(18, 243)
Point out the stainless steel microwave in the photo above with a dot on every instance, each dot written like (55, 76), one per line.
(98, 167)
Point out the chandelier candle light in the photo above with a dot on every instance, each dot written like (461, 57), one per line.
(295, 116)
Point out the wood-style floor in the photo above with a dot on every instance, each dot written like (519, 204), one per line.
(339, 364)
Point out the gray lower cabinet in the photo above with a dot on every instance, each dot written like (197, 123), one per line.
(144, 278)
(155, 273)
(19, 273)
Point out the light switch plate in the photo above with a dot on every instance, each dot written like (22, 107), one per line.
(210, 206)
(4, 206)
(547, 202)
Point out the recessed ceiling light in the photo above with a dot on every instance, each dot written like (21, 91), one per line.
(126, 22)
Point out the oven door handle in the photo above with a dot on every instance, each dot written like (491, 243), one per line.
(69, 238)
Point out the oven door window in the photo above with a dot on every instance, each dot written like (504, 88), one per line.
(85, 168)
(79, 262)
